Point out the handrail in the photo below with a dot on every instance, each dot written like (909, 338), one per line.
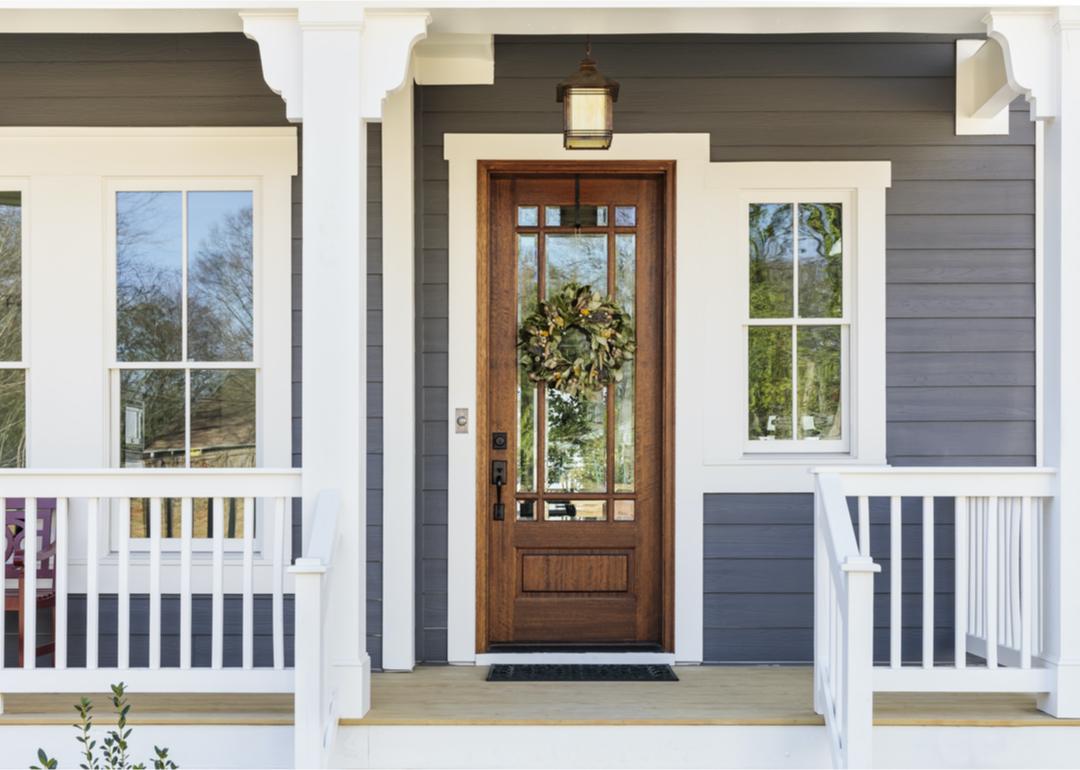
(998, 517)
(150, 482)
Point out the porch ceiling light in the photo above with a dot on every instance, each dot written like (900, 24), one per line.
(587, 97)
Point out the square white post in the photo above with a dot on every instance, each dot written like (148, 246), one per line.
(1061, 198)
(334, 325)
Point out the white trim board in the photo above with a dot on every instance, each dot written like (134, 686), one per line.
(701, 191)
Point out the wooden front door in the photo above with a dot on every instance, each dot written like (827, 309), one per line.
(575, 554)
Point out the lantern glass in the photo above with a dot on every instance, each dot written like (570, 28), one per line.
(587, 119)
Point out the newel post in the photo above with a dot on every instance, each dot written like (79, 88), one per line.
(309, 728)
(858, 681)
(1042, 53)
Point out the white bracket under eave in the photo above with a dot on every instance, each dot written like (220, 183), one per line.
(983, 91)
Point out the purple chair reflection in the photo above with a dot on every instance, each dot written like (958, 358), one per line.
(15, 565)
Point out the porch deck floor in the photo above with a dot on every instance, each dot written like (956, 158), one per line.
(153, 709)
(704, 695)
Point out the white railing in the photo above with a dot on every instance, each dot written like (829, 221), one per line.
(315, 721)
(998, 519)
(843, 627)
(95, 555)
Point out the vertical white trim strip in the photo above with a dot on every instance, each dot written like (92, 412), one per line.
(155, 582)
(990, 583)
(217, 620)
(399, 384)
(186, 526)
(61, 562)
(928, 582)
(278, 575)
(30, 570)
(123, 592)
(92, 597)
(896, 582)
(247, 620)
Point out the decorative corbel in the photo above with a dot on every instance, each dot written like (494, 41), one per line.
(1029, 42)
(386, 53)
(280, 48)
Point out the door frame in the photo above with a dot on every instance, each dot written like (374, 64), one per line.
(664, 171)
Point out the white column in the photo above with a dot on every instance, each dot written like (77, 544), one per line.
(399, 399)
(334, 324)
(1061, 197)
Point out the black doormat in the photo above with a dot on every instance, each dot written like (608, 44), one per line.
(573, 672)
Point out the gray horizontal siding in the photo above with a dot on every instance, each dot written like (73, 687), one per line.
(198, 80)
(960, 269)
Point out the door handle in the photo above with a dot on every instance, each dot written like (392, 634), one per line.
(498, 478)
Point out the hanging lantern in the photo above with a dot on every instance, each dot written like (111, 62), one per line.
(587, 98)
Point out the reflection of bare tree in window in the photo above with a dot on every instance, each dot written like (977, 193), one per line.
(148, 277)
(220, 292)
(12, 381)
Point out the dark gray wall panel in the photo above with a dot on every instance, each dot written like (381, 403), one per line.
(960, 265)
(199, 80)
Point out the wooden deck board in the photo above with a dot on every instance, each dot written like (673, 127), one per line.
(153, 709)
(705, 695)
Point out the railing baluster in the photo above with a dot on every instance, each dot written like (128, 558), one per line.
(1015, 610)
(896, 582)
(92, 596)
(960, 584)
(864, 525)
(277, 583)
(123, 586)
(186, 526)
(1026, 579)
(30, 550)
(991, 582)
(248, 620)
(217, 629)
(928, 583)
(155, 582)
(60, 578)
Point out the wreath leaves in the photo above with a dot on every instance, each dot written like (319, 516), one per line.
(577, 341)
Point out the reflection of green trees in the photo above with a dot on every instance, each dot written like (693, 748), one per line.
(576, 442)
(770, 260)
(821, 261)
(819, 381)
(12, 381)
(769, 350)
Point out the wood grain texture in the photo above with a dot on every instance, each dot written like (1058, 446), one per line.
(153, 709)
(575, 573)
(704, 695)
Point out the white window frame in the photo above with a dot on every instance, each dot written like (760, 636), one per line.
(845, 322)
(732, 460)
(262, 348)
(21, 185)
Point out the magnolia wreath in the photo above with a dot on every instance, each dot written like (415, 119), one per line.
(576, 342)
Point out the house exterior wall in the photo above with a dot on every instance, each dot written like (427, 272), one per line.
(191, 80)
(960, 285)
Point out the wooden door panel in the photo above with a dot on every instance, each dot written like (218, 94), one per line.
(551, 576)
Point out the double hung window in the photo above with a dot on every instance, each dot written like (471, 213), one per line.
(186, 369)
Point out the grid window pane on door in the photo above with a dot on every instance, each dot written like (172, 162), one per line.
(573, 450)
(12, 369)
(185, 339)
(797, 330)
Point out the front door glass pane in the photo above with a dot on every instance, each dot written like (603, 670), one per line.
(625, 288)
(576, 258)
(576, 436)
(528, 292)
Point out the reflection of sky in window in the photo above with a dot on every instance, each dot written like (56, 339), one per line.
(207, 209)
(149, 228)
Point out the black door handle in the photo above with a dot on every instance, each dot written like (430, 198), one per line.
(498, 478)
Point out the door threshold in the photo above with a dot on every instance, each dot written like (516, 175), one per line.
(497, 647)
(597, 657)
